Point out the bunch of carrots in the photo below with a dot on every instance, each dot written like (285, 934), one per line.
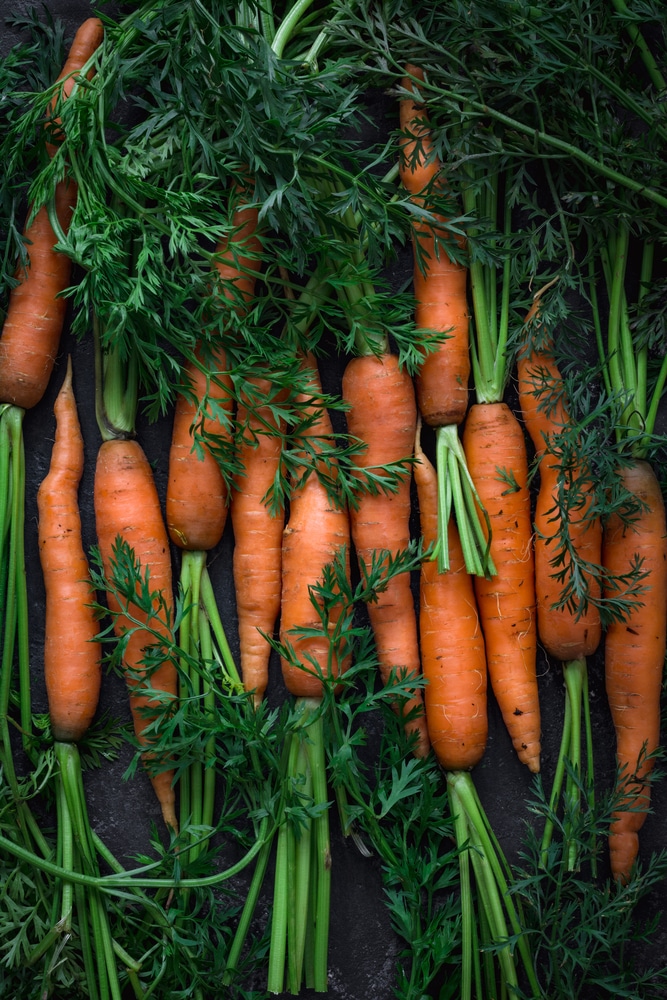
(457, 603)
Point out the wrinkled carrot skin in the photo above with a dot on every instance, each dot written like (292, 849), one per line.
(197, 495)
(316, 532)
(635, 653)
(258, 533)
(440, 291)
(452, 643)
(127, 504)
(35, 313)
(564, 635)
(72, 659)
(383, 415)
(494, 444)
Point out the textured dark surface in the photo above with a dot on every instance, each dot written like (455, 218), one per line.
(363, 948)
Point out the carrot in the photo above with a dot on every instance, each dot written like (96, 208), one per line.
(258, 532)
(36, 309)
(382, 414)
(494, 444)
(127, 505)
(452, 642)
(316, 532)
(72, 659)
(196, 517)
(87, 40)
(439, 282)
(567, 632)
(635, 654)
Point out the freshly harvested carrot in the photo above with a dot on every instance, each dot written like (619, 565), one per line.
(440, 284)
(567, 632)
(316, 532)
(382, 414)
(494, 444)
(452, 642)
(258, 532)
(127, 505)
(197, 514)
(72, 658)
(87, 40)
(36, 309)
(635, 654)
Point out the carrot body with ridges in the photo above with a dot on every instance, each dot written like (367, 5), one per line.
(494, 446)
(127, 505)
(383, 415)
(72, 659)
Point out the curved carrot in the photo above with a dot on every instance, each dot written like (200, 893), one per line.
(635, 654)
(127, 505)
(382, 414)
(494, 446)
(88, 38)
(258, 532)
(439, 283)
(316, 532)
(72, 658)
(36, 310)
(452, 643)
(197, 494)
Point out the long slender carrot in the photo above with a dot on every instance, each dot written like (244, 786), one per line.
(316, 532)
(635, 655)
(258, 532)
(72, 659)
(127, 505)
(36, 310)
(382, 414)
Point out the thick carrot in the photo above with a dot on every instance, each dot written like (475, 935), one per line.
(635, 654)
(127, 505)
(316, 532)
(494, 446)
(439, 283)
(258, 532)
(452, 642)
(87, 39)
(72, 659)
(196, 515)
(567, 632)
(36, 310)
(382, 414)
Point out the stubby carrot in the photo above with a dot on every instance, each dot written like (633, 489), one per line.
(72, 658)
(382, 414)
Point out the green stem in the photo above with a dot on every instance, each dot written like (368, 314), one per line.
(655, 75)
(288, 26)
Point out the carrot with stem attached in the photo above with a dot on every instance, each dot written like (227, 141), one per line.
(441, 305)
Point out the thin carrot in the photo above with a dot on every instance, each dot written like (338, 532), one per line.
(127, 505)
(317, 531)
(87, 40)
(452, 641)
(382, 414)
(36, 309)
(635, 655)
(72, 659)
(258, 532)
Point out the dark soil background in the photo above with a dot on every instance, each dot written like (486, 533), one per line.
(363, 947)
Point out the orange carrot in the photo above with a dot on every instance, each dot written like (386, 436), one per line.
(36, 310)
(494, 444)
(316, 532)
(383, 415)
(258, 535)
(127, 505)
(439, 283)
(565, 632)
(452, 643)
(72, 659)
(87, 40)
(196, 515)
(635, 654)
